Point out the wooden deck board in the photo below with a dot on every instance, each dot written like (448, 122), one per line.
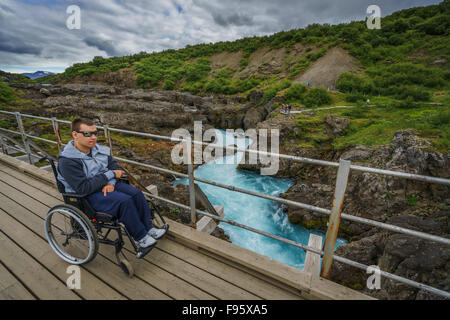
(11, 288)
(92, 288)
(263, 289)
(40, 281)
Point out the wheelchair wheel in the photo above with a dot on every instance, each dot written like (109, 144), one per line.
(70, 234)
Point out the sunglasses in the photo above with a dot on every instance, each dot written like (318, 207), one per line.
(88, 134)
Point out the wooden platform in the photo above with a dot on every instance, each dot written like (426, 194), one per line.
(186, 264)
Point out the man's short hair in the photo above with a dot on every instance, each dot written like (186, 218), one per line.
(79, 121)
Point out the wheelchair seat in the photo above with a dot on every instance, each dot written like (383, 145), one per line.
(104, 217)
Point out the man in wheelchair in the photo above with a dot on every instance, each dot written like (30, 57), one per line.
(85, 167)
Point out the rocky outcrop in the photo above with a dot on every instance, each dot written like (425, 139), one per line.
(337, 125)
(253, 117)
(406, 203)
(153, 111)
(404, 255)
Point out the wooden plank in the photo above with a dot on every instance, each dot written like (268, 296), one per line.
(51, 190)
(91, 287)
(30, 190)
(312, 260)
(161, 279)
(11, 288)
(174, 286)
(269, 268)
(41, 282)
(233, 275)
(248, 260)
(197, 277)
(28, 168)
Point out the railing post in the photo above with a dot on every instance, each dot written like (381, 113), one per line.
(24, 137)
(191, 183)
(108, 137)
(335, 217)
(57, 133)
(4, 146)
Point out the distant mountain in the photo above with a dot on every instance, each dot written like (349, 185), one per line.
(38, 74)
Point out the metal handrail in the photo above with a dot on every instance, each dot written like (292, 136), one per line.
(288, 202)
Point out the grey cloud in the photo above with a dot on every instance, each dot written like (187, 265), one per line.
(12, 44)
(5, 9)
(233, 19)
(103, 45)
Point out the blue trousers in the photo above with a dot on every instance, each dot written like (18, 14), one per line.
(128, 204)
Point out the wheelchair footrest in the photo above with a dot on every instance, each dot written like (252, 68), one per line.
(142, 252)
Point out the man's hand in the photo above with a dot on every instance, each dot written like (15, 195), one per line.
(107, 188)
(119, 173)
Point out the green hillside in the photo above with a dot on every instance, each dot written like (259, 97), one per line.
(403, 68)
(406, 46)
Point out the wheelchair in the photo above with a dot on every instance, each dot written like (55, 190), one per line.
(74, 229)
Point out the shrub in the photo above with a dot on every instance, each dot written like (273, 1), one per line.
(441, 118)
(198, 70)
(270, 93)
(243, 63)
(317, 97)
(247, 84)
(317, 55)
(193, 87)
(354, 97)
(295, 92)
(438, 25)
(350, 83)
(413, 92)
(408, 103)
(6, 93)
(302, 64)
(168, 85)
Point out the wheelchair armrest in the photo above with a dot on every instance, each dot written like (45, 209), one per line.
(74, 195)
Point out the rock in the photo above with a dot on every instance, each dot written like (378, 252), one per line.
(45, 92)
(338, 125)
(357, 154)
(437, 224)
(253, 117)
(255, 96)
(364, 251)
(416, 259)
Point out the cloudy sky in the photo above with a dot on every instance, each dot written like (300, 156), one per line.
(34, 34)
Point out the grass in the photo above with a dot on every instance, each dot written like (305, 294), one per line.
(375, 126)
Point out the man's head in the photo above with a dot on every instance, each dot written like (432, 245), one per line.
(84, 133)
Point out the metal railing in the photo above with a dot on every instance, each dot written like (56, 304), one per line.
(344, 167)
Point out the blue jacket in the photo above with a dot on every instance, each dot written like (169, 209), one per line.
(84, 174)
